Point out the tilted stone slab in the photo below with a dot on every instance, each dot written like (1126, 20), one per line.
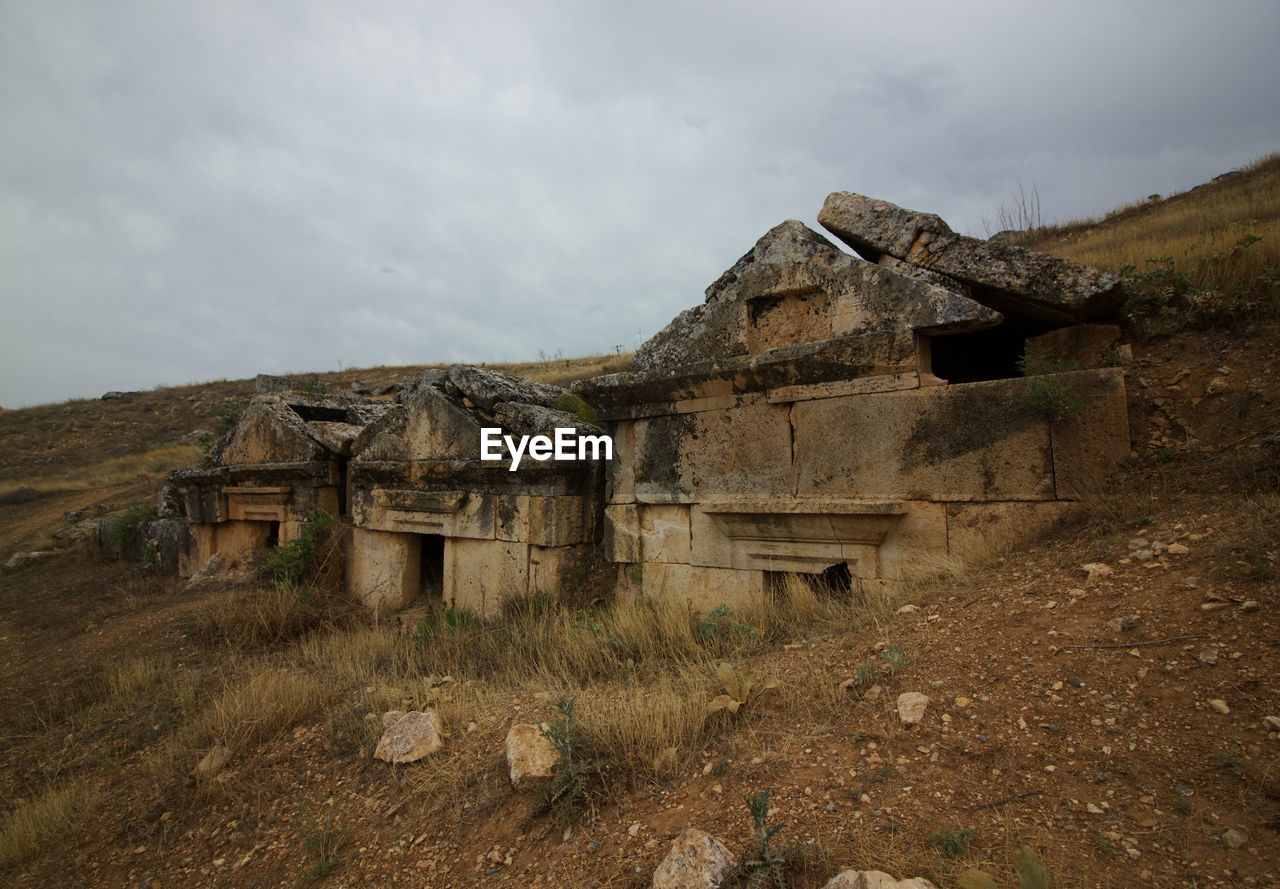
(486, 388)
(268, 432)
(1008, 278)
(861, 354)
(795, 287)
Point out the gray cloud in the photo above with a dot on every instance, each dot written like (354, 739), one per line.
(200, 191)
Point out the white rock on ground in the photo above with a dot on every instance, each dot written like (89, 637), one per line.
(213, 761)
(531, 755)
(414, 736)
(697, 860)
(911, 707)
(874, 879)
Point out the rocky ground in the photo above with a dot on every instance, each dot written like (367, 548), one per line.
(1107, 696)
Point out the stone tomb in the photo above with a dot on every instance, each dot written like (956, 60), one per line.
(844, 416)
(849, 416)
(427, 515)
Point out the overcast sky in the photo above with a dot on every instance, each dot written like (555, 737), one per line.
(198, 190)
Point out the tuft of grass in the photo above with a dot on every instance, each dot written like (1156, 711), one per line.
(45, 821)
(140, 675)
(258, 707)
(631, 726)
(321, 842)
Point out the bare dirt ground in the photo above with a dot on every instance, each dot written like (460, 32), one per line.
(1115, 719)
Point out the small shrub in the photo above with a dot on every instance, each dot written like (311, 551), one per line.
(315, 386)
(321, 842)
(767, 865)
(1052, 400)
(576, 772)
(742, 692)
(445, 620)
(232, 411)
(951, 843)
(288, 562)
(718, 628)
(124, 533)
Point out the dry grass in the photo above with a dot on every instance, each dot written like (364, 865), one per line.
(258, 707)
(645, 731)
(140, 675)
(44, 821)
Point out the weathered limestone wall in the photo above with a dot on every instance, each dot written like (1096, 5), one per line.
(796, 422)
(383, 568)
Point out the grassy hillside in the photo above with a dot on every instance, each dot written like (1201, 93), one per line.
(1206, 257)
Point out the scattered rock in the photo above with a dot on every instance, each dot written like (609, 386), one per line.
(1219, 706)
(212, 762)
(1178, 549)
(908, 609)
(212, 567)
(531, 755)
(1142, 555)
(1096, 570)
(1234, 839)
(119, 396)
(414, 736)
(25, 558)
(266, 383)
(1249, 606)
(391, 717)
(874, 879)
(911, 707)
(1216, 386)
(697, 860)
(1272, 723)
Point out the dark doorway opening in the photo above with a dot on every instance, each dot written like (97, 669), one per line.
(835, 582)
(273, 535)
(993, 354)
(310, 412)
(431, 566)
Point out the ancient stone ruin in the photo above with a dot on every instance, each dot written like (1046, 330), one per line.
(821, 413)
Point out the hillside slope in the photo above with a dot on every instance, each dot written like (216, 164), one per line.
(1107, 696)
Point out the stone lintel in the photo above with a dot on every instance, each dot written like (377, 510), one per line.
(836, 388)
(796, 536)
(257, 504)
(862, 354)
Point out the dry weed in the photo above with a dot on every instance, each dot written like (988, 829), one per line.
(251, 710)
(48, 818)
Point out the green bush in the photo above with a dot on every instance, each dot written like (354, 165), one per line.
(1167, 297)
(289, 562)
(1051, 399)
(445, 620)
(572, 404)
(125, 530)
